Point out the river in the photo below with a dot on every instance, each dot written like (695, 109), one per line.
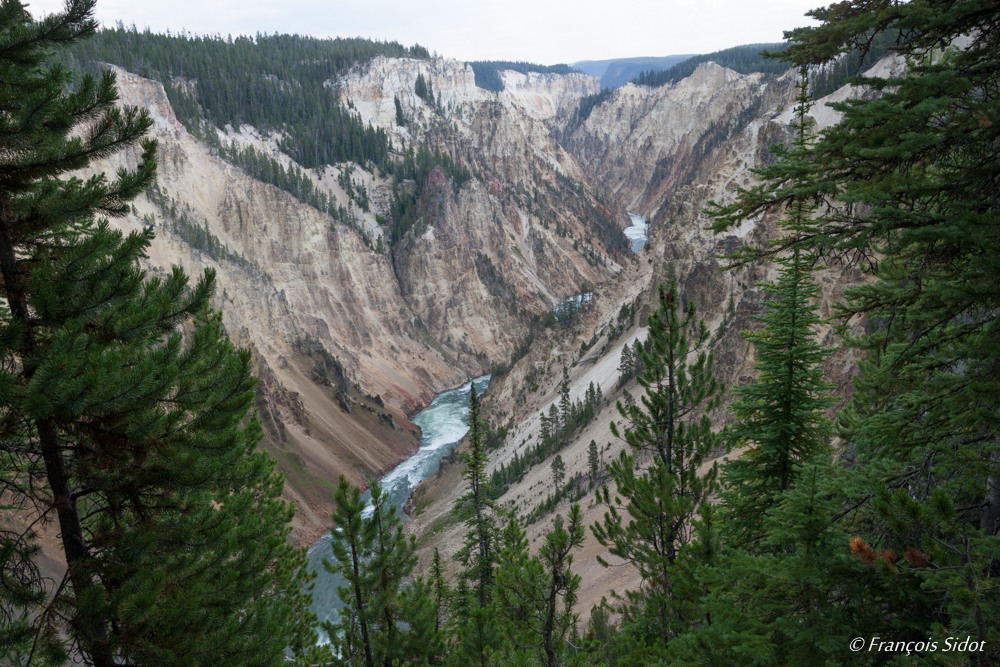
(637, 232)
(442, 425)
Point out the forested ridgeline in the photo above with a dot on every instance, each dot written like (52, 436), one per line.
(488, 71)
(275, 83)
(752, 58)
(272, 82)
(743, 59)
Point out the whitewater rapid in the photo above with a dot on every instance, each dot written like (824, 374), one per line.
(637, 232)
(442, 425)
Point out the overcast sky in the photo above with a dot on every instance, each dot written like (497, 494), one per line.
(541, 31)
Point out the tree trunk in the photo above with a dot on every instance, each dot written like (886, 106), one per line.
(93, 633)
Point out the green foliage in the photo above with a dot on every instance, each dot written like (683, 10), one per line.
(781, 417)
(400, 117)
(273, 82)
(127, 410)
(475, 508)
(906, 189)
(381, 622)
(537, 594)
(649, 517)
(745, 59)
(799, 603)
(487, 72)
(558, 471)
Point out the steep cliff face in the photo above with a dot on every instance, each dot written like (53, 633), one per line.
(645, 142)
(527, 231)
(348, 341)
(543, 96)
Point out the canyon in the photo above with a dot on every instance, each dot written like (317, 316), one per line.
(349, 342)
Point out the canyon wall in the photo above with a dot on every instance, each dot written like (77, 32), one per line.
(348, 341)
(664, 152)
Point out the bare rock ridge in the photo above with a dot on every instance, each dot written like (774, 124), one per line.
(348, 341)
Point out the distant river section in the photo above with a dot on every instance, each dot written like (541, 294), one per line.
(637, 232)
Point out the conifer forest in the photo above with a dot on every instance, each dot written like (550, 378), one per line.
(772, 522)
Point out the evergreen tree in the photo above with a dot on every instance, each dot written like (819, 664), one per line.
(400, 117)
(780, 417)
(625, 367)
(558, 471)
(439, 589)
(554, 426)
(352, 542)
(909, 178)
(135, 433)
(476, 632)
(593, 462)
(391, 562)
(420, 87)
(798, 603)
(649, 517)
(476, 509)
(531, 590)
(565, 407)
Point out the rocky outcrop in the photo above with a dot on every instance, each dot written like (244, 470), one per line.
(543, 96)
(644, 143)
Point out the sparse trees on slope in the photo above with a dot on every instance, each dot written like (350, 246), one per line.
(649, 514)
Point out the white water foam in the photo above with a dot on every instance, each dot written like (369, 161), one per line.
(637, 232)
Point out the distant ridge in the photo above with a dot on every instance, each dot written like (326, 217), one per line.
(744, 59)
(618, 71)
(488, 71)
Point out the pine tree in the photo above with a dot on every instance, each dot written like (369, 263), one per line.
(554, 429)
(780, 417)
(391, 562)
(352, 543)
(565, 407)
(798, 603)
(626, 366)
(649, 516)
(400, 117)
(558, 471)
(593, 462)
(139, 433)
(439, 589)
(909, 177)
(476, 509)
(537, 594)
(476, 632)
